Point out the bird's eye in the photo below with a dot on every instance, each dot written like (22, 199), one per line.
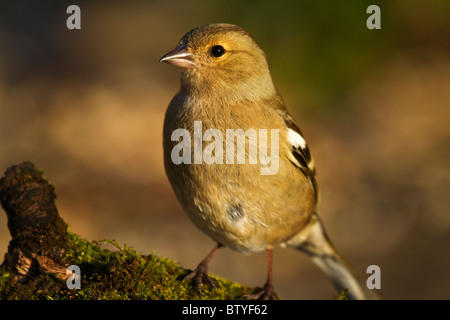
(217, 51)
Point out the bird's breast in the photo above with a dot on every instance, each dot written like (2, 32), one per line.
(214, 164)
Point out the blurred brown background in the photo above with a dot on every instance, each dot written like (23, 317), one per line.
(87, 106)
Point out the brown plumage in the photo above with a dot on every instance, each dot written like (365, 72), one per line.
(226, 84)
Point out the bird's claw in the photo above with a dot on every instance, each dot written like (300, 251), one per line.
(266, 293)
(200, 276)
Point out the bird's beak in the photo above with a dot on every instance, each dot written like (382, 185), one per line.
(179, 57)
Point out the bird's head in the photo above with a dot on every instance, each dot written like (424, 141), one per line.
(221, 59)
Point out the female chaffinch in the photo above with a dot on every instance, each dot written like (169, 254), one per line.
(226, 87)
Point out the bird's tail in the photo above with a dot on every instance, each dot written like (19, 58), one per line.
(314, 241)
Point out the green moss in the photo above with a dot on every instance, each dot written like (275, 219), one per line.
(120, 273)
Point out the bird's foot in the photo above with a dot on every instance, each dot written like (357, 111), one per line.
(266, 293)
(200, 276)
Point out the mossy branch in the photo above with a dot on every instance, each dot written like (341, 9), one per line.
(42, 248)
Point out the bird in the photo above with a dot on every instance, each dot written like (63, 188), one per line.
(226, 86)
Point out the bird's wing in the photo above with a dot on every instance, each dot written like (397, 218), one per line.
(300, 155)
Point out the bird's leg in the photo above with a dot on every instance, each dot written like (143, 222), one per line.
(200, 274)
(267, 292)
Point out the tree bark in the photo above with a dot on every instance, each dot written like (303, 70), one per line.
(39, 234)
